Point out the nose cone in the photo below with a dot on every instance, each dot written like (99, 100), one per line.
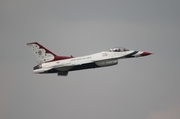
(146, 53)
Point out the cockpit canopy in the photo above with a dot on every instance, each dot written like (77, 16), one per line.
(120, 49)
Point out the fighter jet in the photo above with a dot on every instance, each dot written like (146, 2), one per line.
(48, 62)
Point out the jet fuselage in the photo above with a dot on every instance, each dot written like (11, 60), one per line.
(62, 65)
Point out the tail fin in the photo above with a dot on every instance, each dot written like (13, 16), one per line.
(44, 55)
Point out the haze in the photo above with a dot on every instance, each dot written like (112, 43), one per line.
(139, 88)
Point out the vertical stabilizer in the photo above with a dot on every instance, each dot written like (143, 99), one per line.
(42, 54)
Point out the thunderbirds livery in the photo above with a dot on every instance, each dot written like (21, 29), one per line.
(48, 62)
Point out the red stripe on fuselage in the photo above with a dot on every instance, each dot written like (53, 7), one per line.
(61, 58)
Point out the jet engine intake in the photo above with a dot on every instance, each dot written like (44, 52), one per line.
(106, 63)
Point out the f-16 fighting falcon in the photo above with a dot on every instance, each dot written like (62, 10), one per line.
(49, 62)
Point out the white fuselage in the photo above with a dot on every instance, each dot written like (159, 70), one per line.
(101, 59)
(48, 62)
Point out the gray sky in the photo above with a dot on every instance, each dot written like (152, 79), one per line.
(140, 88)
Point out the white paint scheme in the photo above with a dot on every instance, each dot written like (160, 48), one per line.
(62, 67)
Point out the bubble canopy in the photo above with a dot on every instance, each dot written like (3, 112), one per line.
(118, 49)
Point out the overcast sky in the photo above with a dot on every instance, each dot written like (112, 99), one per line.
(139, 88)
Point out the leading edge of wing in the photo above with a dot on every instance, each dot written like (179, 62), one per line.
(71, 64)
(39, 71)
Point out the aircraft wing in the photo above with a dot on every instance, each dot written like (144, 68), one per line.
(38, 71)
(69, 65)
(82, 62)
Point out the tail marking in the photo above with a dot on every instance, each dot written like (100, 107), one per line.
(43, 54)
